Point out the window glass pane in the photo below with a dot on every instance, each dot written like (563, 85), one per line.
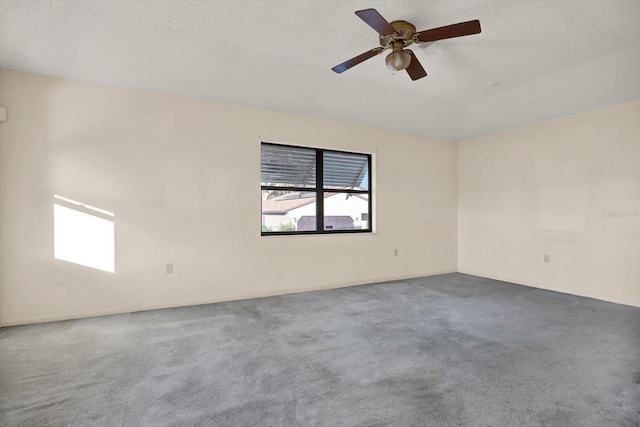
(346, 211)
(288, 211)
(288, 166)
(345, 170)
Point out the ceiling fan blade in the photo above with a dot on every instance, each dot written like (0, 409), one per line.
(415, 69)
(376, 21)
(358, 59)
(450, 31)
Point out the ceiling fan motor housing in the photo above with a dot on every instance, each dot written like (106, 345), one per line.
(404, 33)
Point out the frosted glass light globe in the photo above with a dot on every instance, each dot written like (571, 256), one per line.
(399, 60)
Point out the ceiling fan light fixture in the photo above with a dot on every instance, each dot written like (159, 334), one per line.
(398, 60)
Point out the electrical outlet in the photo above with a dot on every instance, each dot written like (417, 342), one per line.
(170, 268)
(546, 258)
(395, 252)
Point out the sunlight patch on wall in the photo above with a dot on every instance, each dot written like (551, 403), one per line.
(83, 238)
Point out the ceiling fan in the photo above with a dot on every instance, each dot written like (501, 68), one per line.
(397, 35)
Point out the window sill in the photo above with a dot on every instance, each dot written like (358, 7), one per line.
(360, 233)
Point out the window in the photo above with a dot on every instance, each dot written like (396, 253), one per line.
(314, 191)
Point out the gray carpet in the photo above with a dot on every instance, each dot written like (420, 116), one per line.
(450, 350)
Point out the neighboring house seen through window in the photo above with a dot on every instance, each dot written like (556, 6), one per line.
(311, 190)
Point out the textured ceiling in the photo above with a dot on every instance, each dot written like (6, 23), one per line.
(534, 60)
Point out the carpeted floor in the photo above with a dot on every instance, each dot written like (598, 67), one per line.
(450, 350)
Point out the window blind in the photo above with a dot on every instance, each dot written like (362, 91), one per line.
(344, 170)
(288, 166)
(296, 167)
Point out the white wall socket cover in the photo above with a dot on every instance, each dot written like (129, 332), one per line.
(3, 114)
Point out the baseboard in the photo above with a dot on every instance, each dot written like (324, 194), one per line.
(287, 291)
(539, 285)
(61, 317)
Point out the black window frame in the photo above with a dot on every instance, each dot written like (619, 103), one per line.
(320, 192)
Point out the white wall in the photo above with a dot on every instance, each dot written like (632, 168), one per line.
(550, 189)
(172, 170)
